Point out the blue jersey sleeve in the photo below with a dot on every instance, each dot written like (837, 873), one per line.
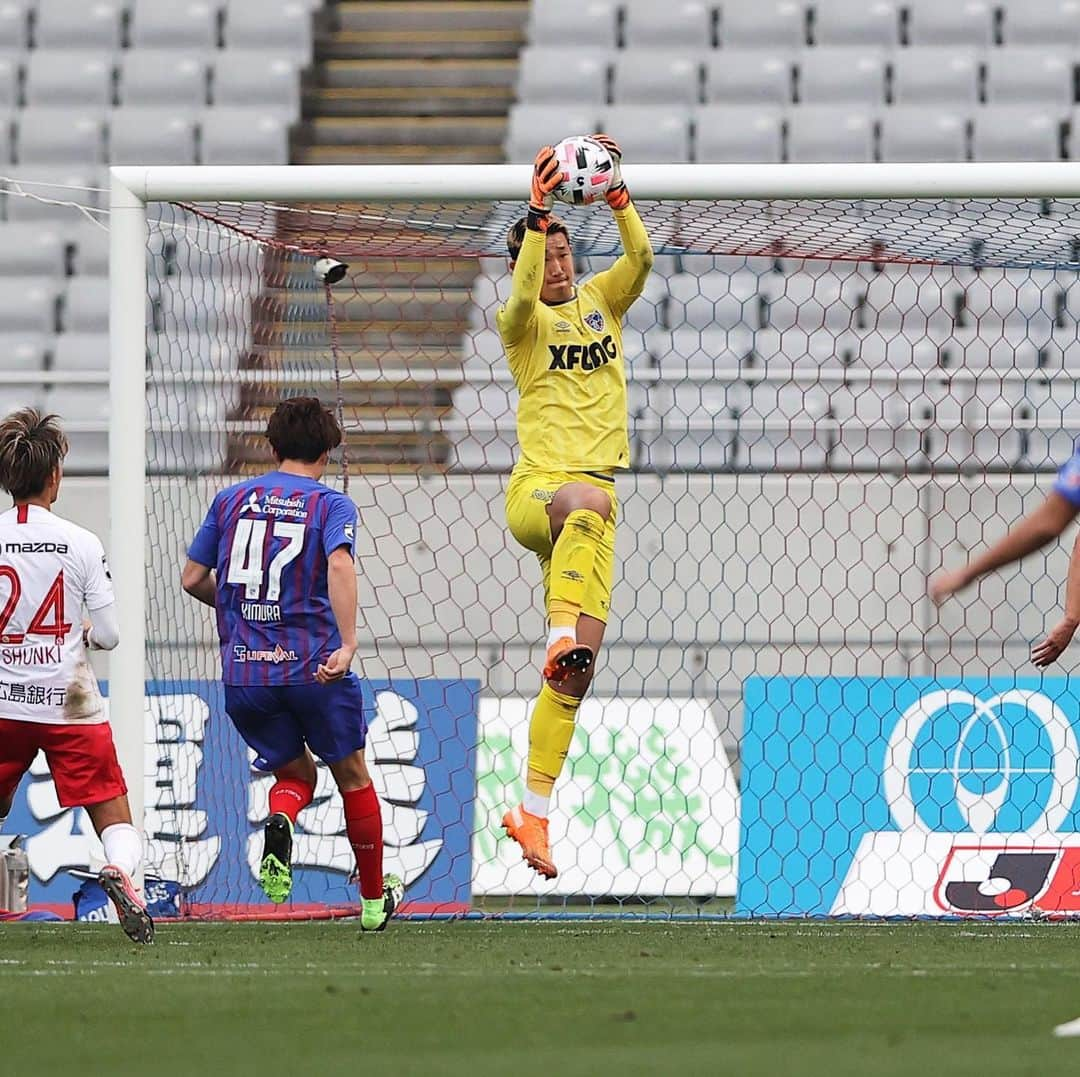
(204, 547)
(1067, 482)
(340, 527)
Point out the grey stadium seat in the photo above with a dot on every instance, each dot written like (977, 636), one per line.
(282, 25)
(10, 75)
(22, 351)
(827, 75)
(91, 242)
(772, 23)
(80, 351)
(14, 23)
(190, 25)
(544, 73)
(28, 304)
(71, 77)
(651, 134)
(64, 24)
(686, 23)
(1035, 74)
(66, 184)
(252, 77)
(931, 76)
(647, 76)
(968, 22)
(60, 136)
(245, 136)
(1016, 133)
(531, 126)
(151, 136)
(593, 22)
(89, 450)
(913, 133)
(163, 77)
(86, 305)
(830, 133)
(28, 247)
(1042, 22)
(856, 22)
(738, 134)
(748, 76)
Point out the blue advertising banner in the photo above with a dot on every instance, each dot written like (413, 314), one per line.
(883, 796)
(205, 805)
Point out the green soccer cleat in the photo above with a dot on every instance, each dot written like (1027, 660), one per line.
(275, 871)
(375, 914)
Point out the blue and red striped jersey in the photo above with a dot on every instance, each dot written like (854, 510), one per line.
(268, 539)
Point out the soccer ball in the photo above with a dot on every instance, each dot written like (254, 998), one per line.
(586, 168)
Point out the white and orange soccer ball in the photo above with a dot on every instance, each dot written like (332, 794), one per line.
(586, 168)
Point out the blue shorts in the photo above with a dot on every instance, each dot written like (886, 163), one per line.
(278, 720)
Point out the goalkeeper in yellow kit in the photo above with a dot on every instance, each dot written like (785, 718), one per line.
(564, 346)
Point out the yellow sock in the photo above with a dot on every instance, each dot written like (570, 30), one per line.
(571, 564)
(551, 729)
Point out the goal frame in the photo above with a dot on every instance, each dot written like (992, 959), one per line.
(133, 188)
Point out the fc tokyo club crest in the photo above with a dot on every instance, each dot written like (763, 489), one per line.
(595, 321)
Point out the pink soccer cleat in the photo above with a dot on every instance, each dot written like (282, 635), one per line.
(130, 907)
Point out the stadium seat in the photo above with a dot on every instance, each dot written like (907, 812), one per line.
(594, 22)
(738, 134)
(253, 78)
(715, 300)
(15, 23)
(779, 426)
(80, 351)
(86, 305)
(830, 133)
(28, 247)
(914, 133)
(829, 75)
(151, 136)
(22, 351)
(531, 126)
(772, 23)
(73, 24)
(931, 22)
(28, 304)
(245, 136)
(10, 75)
(82, 78)
(1035, 74)
(544, 72)
(278, 25)
(63, 184)
(78, 405)
(685, 23)
(651, 134)
(173, 78)
(1016, 133)
(932, 76)
(1041, 22)
(60, 136)
(748, 76)
(856, 22)
(186, 25)
(647, 76)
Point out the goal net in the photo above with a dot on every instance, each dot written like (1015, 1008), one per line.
(830, 399)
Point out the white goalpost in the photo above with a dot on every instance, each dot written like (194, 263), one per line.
(799, 532)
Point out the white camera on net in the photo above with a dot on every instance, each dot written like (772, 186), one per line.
(330, 270)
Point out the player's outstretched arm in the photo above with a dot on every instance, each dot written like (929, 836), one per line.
(198, 581)
(623, 282)
(1033, 532)
(341, 585)
(1060, 636)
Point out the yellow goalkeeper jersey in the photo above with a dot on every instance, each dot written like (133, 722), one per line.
(567, 359)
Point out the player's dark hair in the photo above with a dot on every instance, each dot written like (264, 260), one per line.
(32, 447)
(515, 237)
(302, 429)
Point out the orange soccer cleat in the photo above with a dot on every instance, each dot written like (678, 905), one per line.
(531, 833)
(566, 657)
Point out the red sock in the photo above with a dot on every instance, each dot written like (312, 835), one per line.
(363, 824)
(290, 796)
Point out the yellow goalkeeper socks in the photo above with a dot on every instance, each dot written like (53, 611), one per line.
(571, 564)
(551, 729)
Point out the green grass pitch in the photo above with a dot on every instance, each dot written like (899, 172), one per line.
(559, 999)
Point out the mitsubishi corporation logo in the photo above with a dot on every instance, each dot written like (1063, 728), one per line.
(959, 763)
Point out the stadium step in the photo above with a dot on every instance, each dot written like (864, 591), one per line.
(415, 74)
(418, 44)
(414, 130)
(397, 155)
(409, 101)
(431, 15)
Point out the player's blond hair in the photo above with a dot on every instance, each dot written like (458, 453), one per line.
(32, 447)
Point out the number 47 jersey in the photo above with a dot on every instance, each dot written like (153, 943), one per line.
(268, 540)
(50, 569)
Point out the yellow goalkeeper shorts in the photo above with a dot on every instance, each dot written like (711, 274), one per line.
(527, 498)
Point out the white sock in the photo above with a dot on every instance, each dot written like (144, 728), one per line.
(123, 847)
(536, 804)
(3, 820)
(562, 631)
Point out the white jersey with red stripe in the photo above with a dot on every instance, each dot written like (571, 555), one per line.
(50, 570)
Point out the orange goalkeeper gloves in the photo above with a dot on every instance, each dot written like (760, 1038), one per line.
(547, 175)
(618, 197)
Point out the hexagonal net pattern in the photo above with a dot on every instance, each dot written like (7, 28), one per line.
(828, 402)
